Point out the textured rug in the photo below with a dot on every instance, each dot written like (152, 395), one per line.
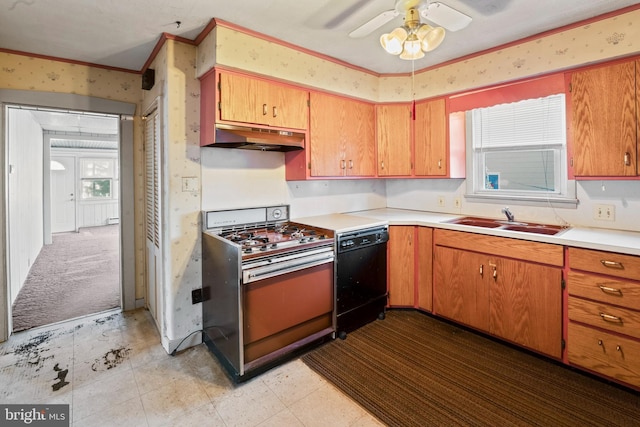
(414, 370)
(78, 274)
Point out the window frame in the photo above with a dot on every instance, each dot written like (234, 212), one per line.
(508, 93)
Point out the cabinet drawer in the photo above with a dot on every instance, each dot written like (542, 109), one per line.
(610, 263)
(605, 289)
(605, 353)
(605, 316)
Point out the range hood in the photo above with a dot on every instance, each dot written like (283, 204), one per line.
(249, 138)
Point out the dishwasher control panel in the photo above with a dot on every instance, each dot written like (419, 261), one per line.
(362, 238)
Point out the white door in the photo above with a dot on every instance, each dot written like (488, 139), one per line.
(153, 246)
(63, 194)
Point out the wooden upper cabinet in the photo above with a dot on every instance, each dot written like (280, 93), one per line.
(604, 119)
(238, 98)
(250, 100)
(430, 138)
(342, 140)
(393, 125)
(289, 106)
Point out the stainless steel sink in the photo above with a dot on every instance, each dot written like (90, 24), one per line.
(523, 227)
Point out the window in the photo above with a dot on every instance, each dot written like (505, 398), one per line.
(517, 151)
(97, 178)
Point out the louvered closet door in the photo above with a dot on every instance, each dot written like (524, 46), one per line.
(153, 259)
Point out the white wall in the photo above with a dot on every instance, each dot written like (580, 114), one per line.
(233, 178)
(422, 194)
(25, 160)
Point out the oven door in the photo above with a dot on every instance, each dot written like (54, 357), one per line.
(287, 301)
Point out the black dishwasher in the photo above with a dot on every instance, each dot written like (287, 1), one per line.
(361, 278)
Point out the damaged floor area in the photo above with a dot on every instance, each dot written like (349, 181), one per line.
(112, 371)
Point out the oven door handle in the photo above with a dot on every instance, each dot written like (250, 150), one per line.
(280, 268)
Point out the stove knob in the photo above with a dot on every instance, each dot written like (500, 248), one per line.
(274, 245)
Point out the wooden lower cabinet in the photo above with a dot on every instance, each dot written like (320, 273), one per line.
(604, 314)
(501, 293)
(526, 305)
(410, 266)
(605, 353)
(461, 290)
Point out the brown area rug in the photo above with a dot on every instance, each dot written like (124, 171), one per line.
(78, 274)
(414, 370)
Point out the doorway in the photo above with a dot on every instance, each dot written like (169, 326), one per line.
(73, 102)
(70, 264)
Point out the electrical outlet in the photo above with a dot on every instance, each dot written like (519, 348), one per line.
(604, 212)
(441, 201)
(457, 203)
(196, 296)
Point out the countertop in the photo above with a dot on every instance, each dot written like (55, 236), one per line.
(627, 242)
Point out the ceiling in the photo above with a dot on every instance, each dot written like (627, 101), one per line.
(122, 34)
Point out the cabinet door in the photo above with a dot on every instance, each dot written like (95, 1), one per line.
(430, 138)
(526, 305)
(328, 118)
(393, 126)
(287, 107)
(401, 265)
(238, 99)
(460, 286)
(359, 139)
(424, 267)
(604, 121)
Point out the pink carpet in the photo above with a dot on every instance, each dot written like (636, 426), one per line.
(78, 274)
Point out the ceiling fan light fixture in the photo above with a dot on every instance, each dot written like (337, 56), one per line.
(393, 41)
(430, 37)
(413, 39)
(412, 49)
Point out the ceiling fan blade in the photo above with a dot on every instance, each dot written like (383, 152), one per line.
(445, 16)
(373, 24)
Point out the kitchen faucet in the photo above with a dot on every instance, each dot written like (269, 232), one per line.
(508, 213)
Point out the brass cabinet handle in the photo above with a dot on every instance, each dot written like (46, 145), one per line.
(627, 159)
(264, 109)
(343, 164)
(350, 164)
(610, 318)
(495, 273)
(600, 342)
(618, 348)
(481, 269)
(275, 111)
(382, 164)
(609, 290)
(612, 264)
(440, 164)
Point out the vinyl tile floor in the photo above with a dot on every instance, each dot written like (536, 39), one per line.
(112, 371)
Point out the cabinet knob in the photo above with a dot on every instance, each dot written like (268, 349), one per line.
(618, 348)
(600, 343)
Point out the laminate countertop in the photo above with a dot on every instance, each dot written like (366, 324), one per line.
(627, 242)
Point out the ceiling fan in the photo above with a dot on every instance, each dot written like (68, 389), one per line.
(436, 12)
